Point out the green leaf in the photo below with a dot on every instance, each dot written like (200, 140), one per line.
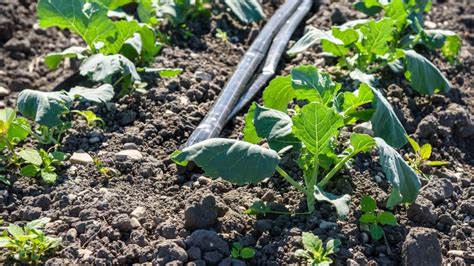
(403, 178)
(258, 207)
(86, 18)
(376, 35)
(101, 94)
(278, 93)
(425, 77)
(436, 163)
(31, 156)
(124, 30)
(38, 223)
(448, 41)
(361, 142)
(275, 126)
(368, 218)
(150, 47)
(52, 60)
(376, 232)
(165, 72)
(312, 36)
(235, 161)
(368, 204)
(312, 85)
(49, 177)
(30, 170)
(341, 203)
(413, 144)
(58, 156)
(146, 12)
(247, 253)
(387, 218)
(347, 36)
(15, 230)
(425, 151)
(4, 180)
(247, 11)
(396, 11)
(385, 122)
(102, 68)
(250, 133)
(332, 246)
(368, 7)
(315, 125)
(45, 108)
(352, 100)
(311, 242)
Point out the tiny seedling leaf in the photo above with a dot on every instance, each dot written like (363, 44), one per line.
(368, 204)
(368, 218)
(386, 218)
(30, 170)
(425, 151)
(376, 232)
(31, 156)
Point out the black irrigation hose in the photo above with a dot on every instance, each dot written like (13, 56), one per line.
(216, 118)
(274, 54)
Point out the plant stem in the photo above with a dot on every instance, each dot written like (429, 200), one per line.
(290, 180)
(336, 169)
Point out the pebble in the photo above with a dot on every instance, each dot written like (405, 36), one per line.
(327, 225)
(4, 91)
(130, 146)
(139, 212)
(128, 155)
(135, 223)
(364, 128)
(81, 158)
(94, 140)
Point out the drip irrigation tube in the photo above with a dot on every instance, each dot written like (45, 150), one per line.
(216, 118)
(274, 55)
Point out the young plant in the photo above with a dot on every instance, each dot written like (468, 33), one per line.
(371, 45)
(28, 244)
(40, 163)
(421, 157)
(373, 220)
(13, 130)
(312, 133)
(222, 35)
(314, 252)
(91, 118)
(239, 252)
(104, 170)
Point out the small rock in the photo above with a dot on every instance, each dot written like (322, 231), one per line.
(201, 75)
(126, 117)
(437, 190)
(206, 241)
(169, 231)
(213, 257)
(364, 238)
(42, 201)
(128, 155)
(81, 158)
(139, 212)
(422, 211)
(327, 225)
(4, 91)
(263, 225)
(202, 215)
(122, 222)
(168, 251)
(364, 128)
(427, 126)
(421, 247)
(94, 140)
(135, 223)
(130, 146)
(430, 25)
(194, 253)
(268, 196)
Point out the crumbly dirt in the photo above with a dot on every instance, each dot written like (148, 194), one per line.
(154, 212)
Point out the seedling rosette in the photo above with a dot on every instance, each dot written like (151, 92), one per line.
(310, 131)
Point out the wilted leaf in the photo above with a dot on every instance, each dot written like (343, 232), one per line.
(341, 203)
(101, 94)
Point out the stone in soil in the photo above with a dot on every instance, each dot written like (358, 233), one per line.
(168, 251)
(81, 158)
(208, 241)
(201, 215)
(421, 247)
(422, 211)
(437, 190)
(128, 155)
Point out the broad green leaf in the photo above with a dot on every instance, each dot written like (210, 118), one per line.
(311, 242)
(31, 156)
(368, 218)
(385, 122)
(448, 41)
(368, 204)
(114, 4)
(425, 151)
(387, 218)
(30, 170)
(15, 230)
(250, 133)
(124, 30)
(376, 35)
(52, 60)
(368, 7)
(312, 85)
(451, 47)
(102, 68)
(341, 203)
(48, 177)
(247, 253)
(425, 77)
(275, 126)
(4, 241)
(247, 11)
(86, 18)
(101, 94)
(413, 144)
(146, 11)
(45, 108)
(405, 182)
(311, 37)
(352, 100)
(278, 93)
(315, 125)
(15, 129)
(396, 11)
(235, 161)
(362, 142)
(376, 232)
(150, 47)
(347, 36)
